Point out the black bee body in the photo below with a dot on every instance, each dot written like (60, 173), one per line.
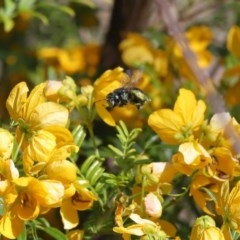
(123, 96)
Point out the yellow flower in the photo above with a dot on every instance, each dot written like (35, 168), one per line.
(28, 198)
(191, 156)
(41, 125)
(183, 122)
(49, 145)
(33, 112)
(224, 164)
(233, 39)
(205, 229)
(6, 143)
(228, 206)
(109, 81)
(81, 199)
(200, 196)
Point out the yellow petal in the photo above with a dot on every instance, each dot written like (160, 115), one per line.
(185, 105)
(40, 149)
(47, 114)
(29, 209)
(135, 229)
(69, 215)
(51, 194)
(11, 226)
(35, 98)
(166, 124)
(16, 99)
(55, 170)
(194, 154)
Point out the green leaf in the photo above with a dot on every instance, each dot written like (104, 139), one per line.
(25, 5)
(88, 3)
(116, 150)
(123, 128)
(79, 135)
(53, 232)
(10, 8)
(23, 235)
(40, 16)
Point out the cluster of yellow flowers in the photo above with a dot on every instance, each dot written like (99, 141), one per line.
(43, 144)
(38, 172)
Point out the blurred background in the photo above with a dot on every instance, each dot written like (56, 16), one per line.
(41, 40)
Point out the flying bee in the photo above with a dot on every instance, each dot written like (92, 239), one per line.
(127, 94)
(123, 96)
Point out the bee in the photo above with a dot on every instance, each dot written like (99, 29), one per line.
(126, 95)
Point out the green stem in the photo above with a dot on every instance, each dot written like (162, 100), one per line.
(91, 133)
(15, 153)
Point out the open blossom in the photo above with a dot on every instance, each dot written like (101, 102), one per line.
(183, 122)
(25, 200)
(41, 129)
(33, 112)
(79, 199)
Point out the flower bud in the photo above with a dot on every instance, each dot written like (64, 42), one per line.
(153, 206)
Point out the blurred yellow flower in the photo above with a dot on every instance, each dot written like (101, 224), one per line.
(68, 60)
(183, 122)
(138, 50)
(199, 38)
(135, 50)
(25, 200)
(73, 59)
(6, 143)
(205, 228)
(109, 81)
(81, 199)
(233, 40)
